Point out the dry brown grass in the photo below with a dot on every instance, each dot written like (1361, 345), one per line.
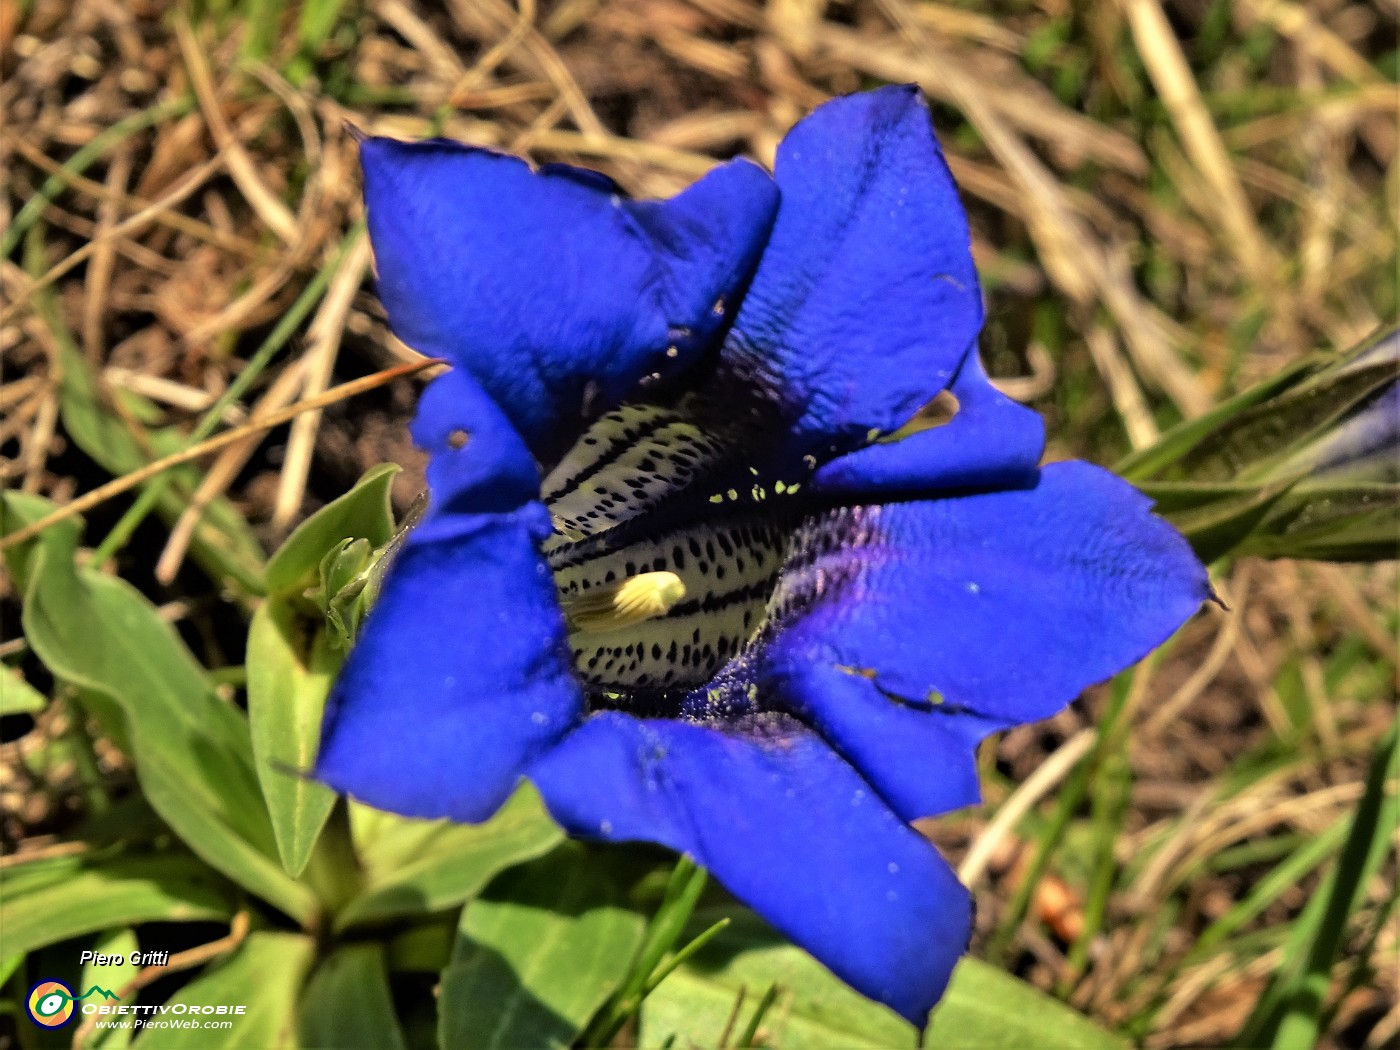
(1158, 221)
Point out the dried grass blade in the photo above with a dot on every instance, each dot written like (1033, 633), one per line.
(324, 337)
(1166, 65)
(276, 215)
(281, 393)
(127, 482)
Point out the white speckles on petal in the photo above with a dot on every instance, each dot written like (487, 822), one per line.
(893, 868)
(539, 718)
(605, 827)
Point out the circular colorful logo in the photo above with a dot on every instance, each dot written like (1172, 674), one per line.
(50, 1004)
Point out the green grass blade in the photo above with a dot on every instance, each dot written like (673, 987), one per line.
(89, 154)
(1290, 1011)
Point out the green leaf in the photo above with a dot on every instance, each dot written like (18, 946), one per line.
(8, 965)
(664, 933)
(265, 975)
(29, 875)
(1288, 1013)
(120, 892)
(814, 1009)
(1333, 522)
(1216, 518)
(416, 866)
(983, 1008)
(191, 749)
(363, 512)
(1245, 477)
(536, 957)
(318, 19)
(347, 1006)
(1160, 460)
(18, 697)
(986, 1008)
(1243, 438)
(291, 666)
(19, 510)
(423, 948)
(119, 943)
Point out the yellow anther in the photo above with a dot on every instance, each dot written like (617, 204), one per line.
(621, 604)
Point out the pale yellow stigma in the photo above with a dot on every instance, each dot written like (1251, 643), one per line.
(621, 604)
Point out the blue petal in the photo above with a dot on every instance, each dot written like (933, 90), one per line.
(461, 675)
(789, 828)
(992, 442)
(1004, 604)
(558, 295)
(866, 299)
(477, 461)
(921, 758)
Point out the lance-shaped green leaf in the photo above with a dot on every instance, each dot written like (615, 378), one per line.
(417, 866)
(191, 749)
(983, 1008)
(1336, 522)
(264, 976)
(19, 510)
(1165, 458)
(291, 664)
(347, 1006)
(1217, 517)
(1247, 436)
(18, 697)
(106, 894)
(536, 956)
(116, 944)
(25, 876)
(362, 513)
(1306, 464)
(295, 649)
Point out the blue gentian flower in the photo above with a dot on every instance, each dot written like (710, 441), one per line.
(732, 546)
